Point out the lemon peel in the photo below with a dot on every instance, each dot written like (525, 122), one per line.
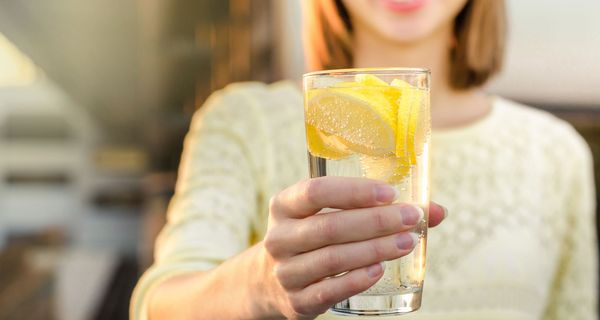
(409, 110)
(324, 145)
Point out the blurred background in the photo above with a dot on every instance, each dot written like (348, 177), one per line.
(96, 97)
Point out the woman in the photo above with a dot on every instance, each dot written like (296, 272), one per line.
(520, 243)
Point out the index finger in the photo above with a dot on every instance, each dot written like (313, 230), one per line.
(308, 197)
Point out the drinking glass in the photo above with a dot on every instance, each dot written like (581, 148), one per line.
(375, 123)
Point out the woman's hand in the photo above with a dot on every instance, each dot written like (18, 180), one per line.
(288, 274)
(303, 249)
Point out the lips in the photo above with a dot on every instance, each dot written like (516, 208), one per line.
(403, 6)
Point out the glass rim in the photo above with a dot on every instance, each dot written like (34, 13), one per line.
(374, 71)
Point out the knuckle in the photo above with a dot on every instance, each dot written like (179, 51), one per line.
(324, 297)
(297, 305)
(281, 274)
(279, 271)
(379, 253)
(271, 243)
(312, 190)
(380, 220)
(359, 196)
(273, 204)
(388, 219)
(328, 227)
(331, 261)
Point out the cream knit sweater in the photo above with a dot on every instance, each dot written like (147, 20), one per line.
(519, 243)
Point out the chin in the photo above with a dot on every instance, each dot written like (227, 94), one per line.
(404, 21)
(405, 31)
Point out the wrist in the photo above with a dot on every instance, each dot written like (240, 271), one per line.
(262, 290)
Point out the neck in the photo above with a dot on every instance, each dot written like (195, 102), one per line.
(450, 107)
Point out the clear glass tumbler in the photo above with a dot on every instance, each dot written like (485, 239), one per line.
(375, 123)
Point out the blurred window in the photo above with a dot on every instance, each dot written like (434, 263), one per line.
(16, 69)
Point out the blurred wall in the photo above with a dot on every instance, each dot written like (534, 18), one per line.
(289, 49)
(89, 48)
(553, 53)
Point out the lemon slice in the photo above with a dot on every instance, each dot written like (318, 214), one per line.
(381, 96)
(365, 121)
(323, 145)
(372, 87)
(379, 87)
(390, 169)
(410, 105)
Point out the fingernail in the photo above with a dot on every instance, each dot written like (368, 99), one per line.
(406, 241)
(411, 215)
(445, 211)
(385, 193)
(375, 270)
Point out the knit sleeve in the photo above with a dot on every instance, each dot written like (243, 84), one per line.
(574, 294)
(210, 217)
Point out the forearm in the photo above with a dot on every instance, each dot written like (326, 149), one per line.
(231, 291)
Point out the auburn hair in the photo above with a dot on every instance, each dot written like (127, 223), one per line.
(479, 30)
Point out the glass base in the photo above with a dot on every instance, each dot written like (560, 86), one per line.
(378, 305)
